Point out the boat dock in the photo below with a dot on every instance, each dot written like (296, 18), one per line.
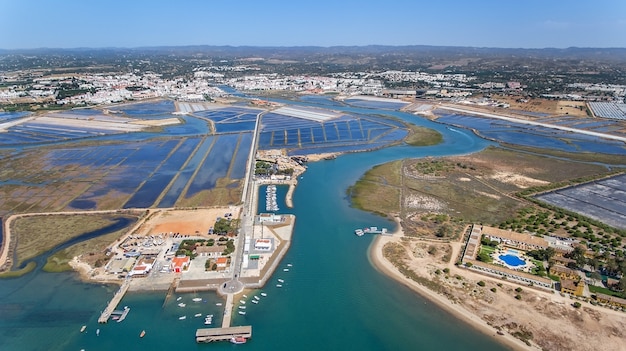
(371, 230)
(206, 335)
(118, 315)
(108, 311)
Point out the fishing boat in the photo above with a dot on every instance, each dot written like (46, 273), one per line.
(238, 340)
(196, 299)
(256, 298)
(182, 318)
(197, 315)
(218, 304)
(242, 312)
(242, 307)
(281, 281)
(98, 332)
(181, 305)
(285, 269)
(255, 301)
(279, 285)
(263, 294)
(242, 302)
(82, 329)
(179, 298)
(142, 334)
(289, 264)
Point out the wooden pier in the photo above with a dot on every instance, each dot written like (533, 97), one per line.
(104, 317)
(219, 334)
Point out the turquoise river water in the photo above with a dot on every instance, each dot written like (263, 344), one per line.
(332, 298)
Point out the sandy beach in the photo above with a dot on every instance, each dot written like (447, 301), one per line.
(549, 317)
(386, 267)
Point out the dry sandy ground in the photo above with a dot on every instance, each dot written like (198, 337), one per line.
(553, 322)
(185, 222)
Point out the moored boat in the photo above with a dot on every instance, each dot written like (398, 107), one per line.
(182, 317)
(181, 305)
(242, 312)
(142, 334)
(263, 294)
(98, 332)
(82, 329)
(238, 340)
(196, 299)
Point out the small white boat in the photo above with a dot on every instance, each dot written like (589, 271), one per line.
(263, 294)
(279, 286)
(196, 299)
(218, 304)
(255, 301)
(179, 298)
(242, 307)
(288, 264)
(197, 315)
(242, 312)
(181, 305)
(256, 298)
(98, 332)
(242, 302)
(281, 281)
(82, 329)
(245, 296)
(285, 269)
(182, 317)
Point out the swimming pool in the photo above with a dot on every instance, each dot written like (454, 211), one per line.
(512, 260)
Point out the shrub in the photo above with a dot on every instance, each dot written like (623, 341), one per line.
(493, 289)
(576, 304)
(446, 270)
(518, 289)
(481, 283)
(518, 296)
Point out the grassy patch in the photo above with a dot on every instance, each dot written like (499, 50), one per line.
(378, 190)
(421, 136)
(602, 290)
(38, 234)
(30, 266)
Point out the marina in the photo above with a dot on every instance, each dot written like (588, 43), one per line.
(271, 204)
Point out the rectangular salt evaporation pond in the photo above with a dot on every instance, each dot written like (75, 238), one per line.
(306, 136)
(230, 127)
(154, 186)
(164, 108)
(278, 138)
(617, 220)
(216, 164)
(292, 137)
(172, 195)
(318, 134)
(238, 168)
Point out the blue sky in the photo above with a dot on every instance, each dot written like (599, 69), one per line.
(480, 23)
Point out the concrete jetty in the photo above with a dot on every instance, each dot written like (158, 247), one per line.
(219, 334)
(104, 317)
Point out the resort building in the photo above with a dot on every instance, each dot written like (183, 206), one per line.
(505, 273)
(611, 300)
(572, 287)
(516, 240)
(564, 272)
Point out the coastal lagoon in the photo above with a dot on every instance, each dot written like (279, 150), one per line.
(332, 297)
